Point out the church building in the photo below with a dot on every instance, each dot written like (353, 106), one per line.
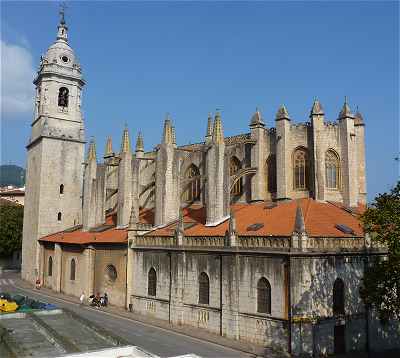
(254, 237)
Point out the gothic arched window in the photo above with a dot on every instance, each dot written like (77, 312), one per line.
(204, 289)
(50, 267)
(300, 169)
(59, 216)
(234, 167)
(332, 170)
(271, 173)
(338, 297)
(192, 192)
(263, 296)
(63, 94)
(152, 283)
(72, 270)
(62, 189)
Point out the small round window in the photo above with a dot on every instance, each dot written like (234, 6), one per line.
(111, 272)
(65, 59)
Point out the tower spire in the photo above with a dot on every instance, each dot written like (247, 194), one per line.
(139, 143)
(218, 134)
(109, 150)
(126, 143)
(62, 27)
(167, 135)
(92, 150)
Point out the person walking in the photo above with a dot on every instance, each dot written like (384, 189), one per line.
(82, 298)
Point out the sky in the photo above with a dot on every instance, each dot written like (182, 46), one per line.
(142, 60)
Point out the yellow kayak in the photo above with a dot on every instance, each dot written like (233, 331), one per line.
(6, 306)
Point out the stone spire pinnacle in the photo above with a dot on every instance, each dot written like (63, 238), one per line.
(62, 27)
(232, 223)
(358, 118)
(167, 134)
(209, 126)
(218, 134)
(126, 142)
(299, 225)
(109, 150)
(316, 108)
(92, 151)
(181, 226)
(256, 119)
(346, 111)
(133, 219)
(139, 143)
(173, 135)
(282, 113)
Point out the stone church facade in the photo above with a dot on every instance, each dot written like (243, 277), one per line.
(254, 237)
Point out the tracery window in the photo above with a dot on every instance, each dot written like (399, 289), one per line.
(50, 267)
(332, 170)
(152, 283)
(72, 270)
(263, 296)
(234, 167)
(111, 273)
(300, 169)
(63, 94)
(204, 289)
(338, 297)
(192, 192)
(271, 173)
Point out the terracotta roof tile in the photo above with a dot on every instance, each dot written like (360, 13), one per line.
(278, 221)
(320, 220)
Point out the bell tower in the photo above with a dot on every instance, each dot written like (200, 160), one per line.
(53, 200)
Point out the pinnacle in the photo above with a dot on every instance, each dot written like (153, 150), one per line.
(109, 150)
(299, 225)
(317, 108)
(173, 135)
(126, 142)
(282, 113)
(256, 119)
(218, 134)
(232, 222)
(92, 151)
(167, 135)
(209, 126)
(139, 143)
(345, 111)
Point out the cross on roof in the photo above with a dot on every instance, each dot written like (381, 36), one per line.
(63, 6)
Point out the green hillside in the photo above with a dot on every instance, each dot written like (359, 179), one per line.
(12, 175)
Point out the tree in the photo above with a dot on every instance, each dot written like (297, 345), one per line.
(11, 219)
(381, 284)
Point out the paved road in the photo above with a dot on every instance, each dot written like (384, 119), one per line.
(153, 339)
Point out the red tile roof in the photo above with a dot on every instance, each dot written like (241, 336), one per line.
(320, 221)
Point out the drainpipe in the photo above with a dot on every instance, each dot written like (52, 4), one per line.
(170, 286)
(366, 312)
(220, 295)
(289, 308)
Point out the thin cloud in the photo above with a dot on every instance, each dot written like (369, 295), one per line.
(17, 73)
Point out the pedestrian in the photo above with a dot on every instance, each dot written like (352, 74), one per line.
(37, 284)
(82, 298)
(105, 299)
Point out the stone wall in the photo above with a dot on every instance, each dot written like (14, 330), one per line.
(103, 281)
(236, 317)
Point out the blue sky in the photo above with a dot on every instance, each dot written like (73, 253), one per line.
(143, 59)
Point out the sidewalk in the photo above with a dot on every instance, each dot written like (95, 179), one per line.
(184, 330)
